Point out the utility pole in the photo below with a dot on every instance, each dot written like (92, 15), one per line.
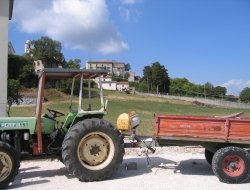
(205, 91)
(148, 84)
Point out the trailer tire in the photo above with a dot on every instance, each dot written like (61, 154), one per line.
(9, 164)
(92, 150)
(209, 156)
(231, 165)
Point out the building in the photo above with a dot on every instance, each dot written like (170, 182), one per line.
(6, 8)
(38, 65)
(122, 86)
(114, 67)
(131, 77)
(116, 86)
(11, 49)
(109, 85)
(27, 46)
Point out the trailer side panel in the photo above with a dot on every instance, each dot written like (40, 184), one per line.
(200, 128)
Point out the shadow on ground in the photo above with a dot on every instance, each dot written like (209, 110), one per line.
(155, 166)
(35, 172)
(144, 166)
(194, 167)
(162, 165)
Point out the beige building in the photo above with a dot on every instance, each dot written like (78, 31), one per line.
(6, 7)
(131, 77)
(38, 65)
(114, 67)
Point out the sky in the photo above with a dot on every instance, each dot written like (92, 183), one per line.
(201, 40)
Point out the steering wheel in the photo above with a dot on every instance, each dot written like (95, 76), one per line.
(55, 113)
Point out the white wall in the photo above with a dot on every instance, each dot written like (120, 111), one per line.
(109, 85)
(4, 19)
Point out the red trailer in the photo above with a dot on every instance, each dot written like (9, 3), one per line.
(226, 140)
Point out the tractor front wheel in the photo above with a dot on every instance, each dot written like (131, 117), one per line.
(9, 164)
(92, 150)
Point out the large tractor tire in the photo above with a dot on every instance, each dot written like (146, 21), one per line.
(92, 150)
(9, 164)
(209, 156)
(231, 165)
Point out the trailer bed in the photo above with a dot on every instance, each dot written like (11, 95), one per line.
(202, 129)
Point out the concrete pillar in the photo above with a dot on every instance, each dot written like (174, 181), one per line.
(4, 19)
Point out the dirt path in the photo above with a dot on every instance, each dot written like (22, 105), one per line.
(171, 168)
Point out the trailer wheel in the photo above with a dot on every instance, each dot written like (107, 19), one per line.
(9, 164)
(209, 156)
(92, 150)
(231, 165)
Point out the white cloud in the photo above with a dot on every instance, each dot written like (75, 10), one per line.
(125, 13)
(79, 24)
(236, 86)
(130, 2)
(128, 10)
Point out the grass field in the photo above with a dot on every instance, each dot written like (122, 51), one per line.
(119, 103)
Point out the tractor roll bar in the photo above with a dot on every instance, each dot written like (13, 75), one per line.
(57, 73)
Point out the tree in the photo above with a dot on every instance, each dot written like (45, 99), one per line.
(73, 64)
(245, 95)
(208, 89)
(48, 50)
(220, 91)
(65, 85)
(27, 77)
(156, 78)
(13, 93)
(147, 77)
(160, 78)
(127, 67)
(182, 86)
(15, 64)
(21, 68)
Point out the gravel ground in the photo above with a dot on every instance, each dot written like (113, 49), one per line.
(174, 168)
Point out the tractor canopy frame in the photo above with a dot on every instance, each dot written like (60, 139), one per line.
(60, 74)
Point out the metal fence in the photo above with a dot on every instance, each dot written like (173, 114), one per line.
(215, 102)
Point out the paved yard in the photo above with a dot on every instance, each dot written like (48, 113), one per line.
(171, 168)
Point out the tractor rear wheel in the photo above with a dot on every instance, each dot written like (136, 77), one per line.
(231, 165)
(9, 164)
(92, 150)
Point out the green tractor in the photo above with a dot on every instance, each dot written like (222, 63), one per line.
(90, 147)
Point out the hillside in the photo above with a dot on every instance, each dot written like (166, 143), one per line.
(119, 103)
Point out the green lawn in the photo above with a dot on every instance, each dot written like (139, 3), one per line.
(119, 103)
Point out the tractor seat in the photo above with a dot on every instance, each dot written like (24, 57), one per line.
(48, 116)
